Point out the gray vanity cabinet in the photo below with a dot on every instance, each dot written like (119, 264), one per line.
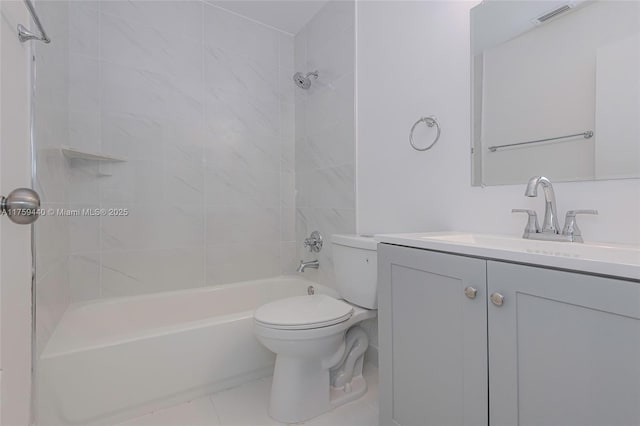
(562, 348)
(433, 353)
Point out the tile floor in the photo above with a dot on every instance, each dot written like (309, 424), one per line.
(246, 405)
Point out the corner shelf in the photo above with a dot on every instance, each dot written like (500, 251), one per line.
(71, 153)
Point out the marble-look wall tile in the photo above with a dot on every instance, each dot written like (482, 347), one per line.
(83, 180)
(286, 60)
(51, 168)
(84, 231)
(52, 239)
(230, 72)
(289, 259)
(52, 299)
(300, 49)
(50, 132)
(330, 105)
(325, 137)
(135, 137)
(84, 28)
(241, 225)
(201, 104)
(228, 263)
(332, 187)
(288, 224)
(84, 276)
(126, 273)
(242, 188)
(146, 92)
(332, 46)
(133, 182)
(231, 115)
(181, 17)
(239, 35)
(84, 83)
(84, 129)
(287, 189)
(324, 133)
(184, 174)
(288, 136)
(330, 146)
(126, 42)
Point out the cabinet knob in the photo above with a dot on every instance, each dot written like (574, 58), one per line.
(470, 292)
(497, 299)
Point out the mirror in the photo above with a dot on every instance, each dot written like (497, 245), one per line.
(555, 91)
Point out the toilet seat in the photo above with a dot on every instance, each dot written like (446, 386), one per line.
(303, 312)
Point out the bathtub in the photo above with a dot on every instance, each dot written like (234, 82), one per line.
(113, 359)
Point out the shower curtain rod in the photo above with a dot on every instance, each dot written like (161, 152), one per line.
(24, 34)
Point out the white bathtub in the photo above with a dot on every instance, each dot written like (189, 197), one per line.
(112, 359)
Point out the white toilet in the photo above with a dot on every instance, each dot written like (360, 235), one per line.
(319, 347)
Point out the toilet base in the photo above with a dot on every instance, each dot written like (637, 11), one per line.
(301, 389)
(294, 400)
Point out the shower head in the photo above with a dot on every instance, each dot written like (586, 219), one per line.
(303, 81)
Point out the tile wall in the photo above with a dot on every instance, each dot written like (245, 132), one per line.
(325, 132)
(325, 140)
(50, 131)
(200, 103)
(229, 164)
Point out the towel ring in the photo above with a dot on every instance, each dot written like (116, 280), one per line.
(430, 122)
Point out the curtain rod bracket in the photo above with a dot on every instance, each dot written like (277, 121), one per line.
(25, 35)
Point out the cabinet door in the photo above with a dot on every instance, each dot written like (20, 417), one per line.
(564, 348)
(433, 338)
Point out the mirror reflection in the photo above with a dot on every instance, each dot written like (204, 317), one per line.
(555, 90)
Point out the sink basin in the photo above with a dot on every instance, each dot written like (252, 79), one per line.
(599, 258)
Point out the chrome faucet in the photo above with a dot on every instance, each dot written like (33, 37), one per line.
(314, 264)
(550, 221)
(550, 229)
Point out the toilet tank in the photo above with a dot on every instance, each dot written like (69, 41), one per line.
(356, 267)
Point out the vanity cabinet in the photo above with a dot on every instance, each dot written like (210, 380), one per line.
(433, 338)
(562, 348)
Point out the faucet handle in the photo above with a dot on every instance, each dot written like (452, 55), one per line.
(573, 213)
(314, 242)
(532, 226)
(571, 226)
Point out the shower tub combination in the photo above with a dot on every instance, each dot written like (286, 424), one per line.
(113, 359)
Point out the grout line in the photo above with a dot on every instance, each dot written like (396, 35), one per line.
(205, 165)
(355, 116)
(209, 3)
(100, 103)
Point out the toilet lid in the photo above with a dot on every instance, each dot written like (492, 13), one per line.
(303, 312)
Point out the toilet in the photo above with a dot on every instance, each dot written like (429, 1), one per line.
(318, 344)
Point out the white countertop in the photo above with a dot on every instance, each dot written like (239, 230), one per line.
(599, 258)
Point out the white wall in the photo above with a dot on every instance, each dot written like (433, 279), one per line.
(414, 60)
(618, 109)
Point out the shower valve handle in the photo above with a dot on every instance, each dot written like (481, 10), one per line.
(314, 242)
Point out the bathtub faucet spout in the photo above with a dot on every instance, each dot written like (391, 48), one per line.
(304, 265)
